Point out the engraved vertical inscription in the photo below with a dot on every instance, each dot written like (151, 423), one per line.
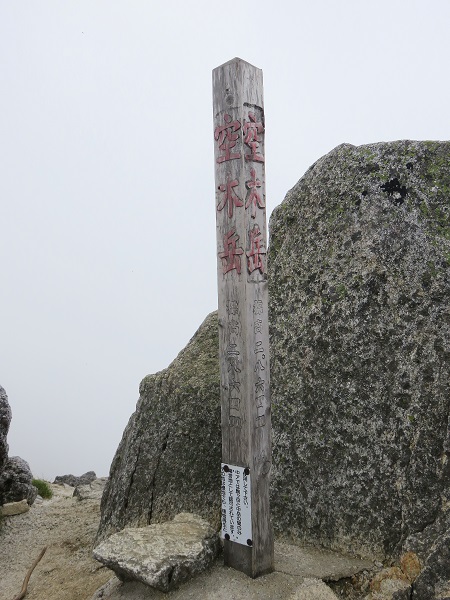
(240, 207)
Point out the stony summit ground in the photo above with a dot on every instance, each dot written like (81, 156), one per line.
(67, 570)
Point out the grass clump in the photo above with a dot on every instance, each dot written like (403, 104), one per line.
(44, 489)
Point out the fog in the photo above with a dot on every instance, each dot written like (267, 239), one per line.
(108, 251)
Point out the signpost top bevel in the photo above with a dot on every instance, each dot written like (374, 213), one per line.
(237, 82)
(236, 60)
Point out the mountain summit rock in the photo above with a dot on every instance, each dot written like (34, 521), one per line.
(359, 282)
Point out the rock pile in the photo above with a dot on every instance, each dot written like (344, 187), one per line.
(74, 480)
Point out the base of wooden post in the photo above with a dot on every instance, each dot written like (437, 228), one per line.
(242, 558)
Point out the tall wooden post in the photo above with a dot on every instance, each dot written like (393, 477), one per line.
(239, 155)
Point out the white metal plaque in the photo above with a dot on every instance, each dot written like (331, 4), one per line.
(236, 505)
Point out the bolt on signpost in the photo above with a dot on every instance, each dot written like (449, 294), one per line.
(239, 155)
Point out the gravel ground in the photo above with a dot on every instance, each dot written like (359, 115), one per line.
(67, 570)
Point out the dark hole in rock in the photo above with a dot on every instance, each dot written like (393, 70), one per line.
(409, 166)
(395, 191)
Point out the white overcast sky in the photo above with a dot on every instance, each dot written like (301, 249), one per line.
(107, 217)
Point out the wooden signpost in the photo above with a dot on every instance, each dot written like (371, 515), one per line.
(239, 156)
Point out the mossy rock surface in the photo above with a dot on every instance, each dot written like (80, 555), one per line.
(359, 312)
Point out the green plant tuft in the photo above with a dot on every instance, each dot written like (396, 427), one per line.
(44, 489)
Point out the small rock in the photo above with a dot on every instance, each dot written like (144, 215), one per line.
(107, 589)
(388, 587)
(391, 573)
(388, 584)
(15, 508)
(410, 565)
(91, 491)
(313, 589)
(162, 555)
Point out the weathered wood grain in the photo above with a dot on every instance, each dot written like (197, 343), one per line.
(239, 157)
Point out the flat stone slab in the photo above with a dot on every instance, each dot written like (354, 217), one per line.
(14, 508)
(297, 576)
(317, 563)
(162, 555)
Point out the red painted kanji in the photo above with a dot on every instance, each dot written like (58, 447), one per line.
(254, 199)
(230, 197)
(231, 253)
(252, 138)
(254, 255)
(227, 137)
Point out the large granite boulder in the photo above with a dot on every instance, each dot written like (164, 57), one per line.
(169, 458)
(359, 300)
(359, 288)
(16, 482)
(5, 420)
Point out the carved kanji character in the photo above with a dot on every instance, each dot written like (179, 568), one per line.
(235, 403)
(227, 137)
(260, 385)
(259, 366)
(257, 326)
(254, 255)
(260, 420)
(230, 197)
(234, 327)
(258, 307)
(235, 385)
(231, 253)
(253, 198)
(235, 422)
(260, 411)
(259, 348)
(233, 359)
(252, 138)
(260, 401)
(232, 307)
